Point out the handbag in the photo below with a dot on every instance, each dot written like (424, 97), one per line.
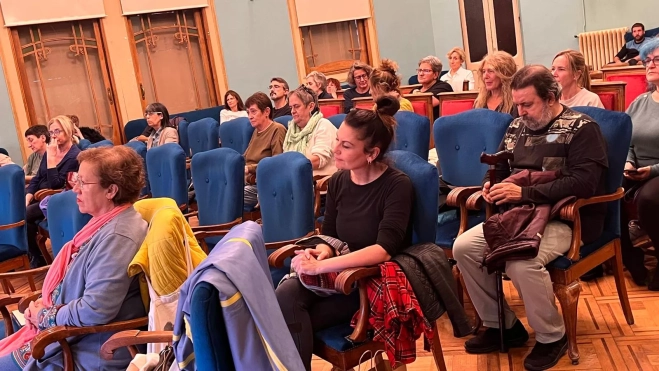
(166, 359)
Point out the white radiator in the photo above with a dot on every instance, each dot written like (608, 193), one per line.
(600, 47)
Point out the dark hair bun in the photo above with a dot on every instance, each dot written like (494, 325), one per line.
(387, 105)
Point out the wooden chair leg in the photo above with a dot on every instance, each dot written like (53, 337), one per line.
(616, 264)
(568, 296)
(41, 242)
(503, 348)
(437, 352)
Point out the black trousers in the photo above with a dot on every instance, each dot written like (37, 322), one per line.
(32, 218)
(648, 209)
(306, 313)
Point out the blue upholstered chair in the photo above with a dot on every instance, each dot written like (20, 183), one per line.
(165, 167)
(284, 120)
(337, 120)
(460, 139)
(285, 187)
(203, 135)
(134, 128)
(103, 143)
(140, 148)
(413, 80)
(84, 144)
(13, 235)
(183, 138)
(236, 134)
(64, 219)
(196, 115)
(218, 176)
(412, 133)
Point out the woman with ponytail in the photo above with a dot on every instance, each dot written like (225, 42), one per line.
(368, 208)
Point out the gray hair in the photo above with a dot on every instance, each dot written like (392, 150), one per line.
(306, 95)
(319, 78)
(434, 63)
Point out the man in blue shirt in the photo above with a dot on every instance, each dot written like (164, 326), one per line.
(629, 52)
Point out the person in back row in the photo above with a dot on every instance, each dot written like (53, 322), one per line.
(279, 95)
(317, 82)
(494, 76)
(37, 137)
(267, 140)
(358, 80)
(309, 133)
(428, 74)
(157, 118)
(384, 81)
(629, 53)
(570, 71)
(456, 74)
(234, 107)
(570, 145)
(369, 207)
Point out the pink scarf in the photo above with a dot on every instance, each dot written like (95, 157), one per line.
(56, 274)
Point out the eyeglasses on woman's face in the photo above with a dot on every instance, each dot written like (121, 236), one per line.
(149, 114)
(654, 60)
(54, 133)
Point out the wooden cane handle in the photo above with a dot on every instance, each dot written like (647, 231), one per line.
(497, 158)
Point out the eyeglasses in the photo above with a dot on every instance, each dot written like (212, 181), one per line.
(55, 132)
(75, 178)
(361, 77)
(423, 70)
(147, 114)
(655, 59)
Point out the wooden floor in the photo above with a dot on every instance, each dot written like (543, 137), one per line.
(606, 341)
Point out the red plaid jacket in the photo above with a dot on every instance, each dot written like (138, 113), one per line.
(395, 316)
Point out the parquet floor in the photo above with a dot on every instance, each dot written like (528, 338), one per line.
(606, 341)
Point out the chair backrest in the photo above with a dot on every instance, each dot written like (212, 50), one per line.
(218, 176)
(12, 205)
(456, 102)
(284, 120)
(236, 134)
(196, 115)
(616, 128)
(413, 80)
(103, 143)
(460, 139)
(608, 100)
(412, 133)
(330, 107)
(140, 148)
(165, 166)
(337, 120)
(134, 128)
(203, 135)
(637, 84)
(285, 188)
(425, 180)
(183, 138)
(83, 144)
(64, 219)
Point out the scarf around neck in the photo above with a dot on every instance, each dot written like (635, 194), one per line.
(298, 139)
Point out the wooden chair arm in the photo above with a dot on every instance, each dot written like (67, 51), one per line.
(6, 316)
(130, 338)
(61, 333)
(12, 225)
(191, 214)
(276, 259)
(570, 212)
(321, 186)
(27, 299)
(217, 227)
(280, 244)
(24, 274)
(41, 194)
(344, 283)
(475, 201)
(201, 237)
(459, 195)
(250, 179)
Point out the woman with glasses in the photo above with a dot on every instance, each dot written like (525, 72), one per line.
(641, 175)
(157, 117)
(309, 133)
(428, 74)
(494, 76)
(358, 80)
(457, 74)
(88, 284)
(59, 160)
(385, 80)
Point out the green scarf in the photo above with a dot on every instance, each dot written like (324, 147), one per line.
(298, 139)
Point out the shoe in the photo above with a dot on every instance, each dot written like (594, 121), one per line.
(488, 340)
(544, 356)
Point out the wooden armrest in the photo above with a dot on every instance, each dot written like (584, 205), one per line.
(201, 237)
(12, 225)
(322, 182)
(6, 316)
(475, 201)
(191, 214)
(344, 283)
(24, 274)
(40, 195)
(459, 195)
(570, 212)
(131, 338)
(280, 244)
(60, 333)
(188, 164)
(250, 179)
(321, 186)
(27, 299)
(148, 195)
(217, 227)
(276, 259)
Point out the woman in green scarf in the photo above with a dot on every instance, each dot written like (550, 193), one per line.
(309, 133)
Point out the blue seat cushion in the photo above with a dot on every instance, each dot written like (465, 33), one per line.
(335, 337)
(9, 252)
(564, 263)
(447, 229)
(44, 224)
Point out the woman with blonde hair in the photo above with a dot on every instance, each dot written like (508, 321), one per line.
(317, 81)
(385, 80)
(457, 74)
(494, 76)
(570, 71)
(59, 160)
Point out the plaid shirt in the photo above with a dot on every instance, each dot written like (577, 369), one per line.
(395, 316)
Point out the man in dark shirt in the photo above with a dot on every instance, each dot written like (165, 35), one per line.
(279, 95)
(629, 53)
(546, 136)
(358, 80)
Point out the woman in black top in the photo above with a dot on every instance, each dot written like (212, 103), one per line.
(368, 206)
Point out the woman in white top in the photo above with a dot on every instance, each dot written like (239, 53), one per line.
(309, 133)
(570, 71)
(457, 74)
(234, 107)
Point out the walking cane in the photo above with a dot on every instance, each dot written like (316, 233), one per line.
(492, 161)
